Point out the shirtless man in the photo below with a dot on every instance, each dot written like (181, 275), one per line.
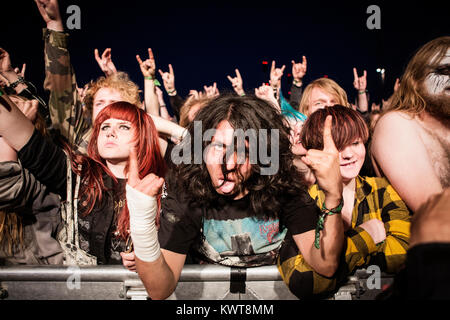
(411, 142)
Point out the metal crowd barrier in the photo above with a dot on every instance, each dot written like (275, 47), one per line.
(197, 282)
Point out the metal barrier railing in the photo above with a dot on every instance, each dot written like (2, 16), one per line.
(112, 282)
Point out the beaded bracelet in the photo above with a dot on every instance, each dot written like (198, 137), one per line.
(321, 221)
(17, 82)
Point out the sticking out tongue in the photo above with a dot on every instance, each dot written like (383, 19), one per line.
(227, 187)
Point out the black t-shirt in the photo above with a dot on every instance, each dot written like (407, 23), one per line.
(227, 233)
(117, 244)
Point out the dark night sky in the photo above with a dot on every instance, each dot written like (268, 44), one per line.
(206, 41)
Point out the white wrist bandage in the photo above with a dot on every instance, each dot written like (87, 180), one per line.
(142, 224)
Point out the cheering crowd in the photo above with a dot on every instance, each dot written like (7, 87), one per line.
(311, 183)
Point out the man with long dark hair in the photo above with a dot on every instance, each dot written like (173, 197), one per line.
(229, 202)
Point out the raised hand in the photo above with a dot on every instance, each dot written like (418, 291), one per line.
(29, 108)
(49, 11)
(237, 83)
(83, 91)
(105, 62)
(211, 91)
(325, 164)
(194, 94)
(299, 70)
(168, 79)
(7, 73)
(150, 185)
(267, 93)
(360, 83)
(148, 67)
(275, 75)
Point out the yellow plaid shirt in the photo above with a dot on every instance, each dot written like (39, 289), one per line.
(375, 198)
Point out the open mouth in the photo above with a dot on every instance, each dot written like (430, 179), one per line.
(226, 186)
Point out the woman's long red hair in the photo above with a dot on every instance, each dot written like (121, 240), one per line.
(148, 153)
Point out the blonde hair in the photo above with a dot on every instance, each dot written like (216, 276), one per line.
(327, 85)
(119, 81)
(407, 98)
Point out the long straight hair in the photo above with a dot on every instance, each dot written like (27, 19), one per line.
(407, 98)
(94, 166)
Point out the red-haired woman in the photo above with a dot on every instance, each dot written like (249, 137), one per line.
(100, 178)
(376, 221)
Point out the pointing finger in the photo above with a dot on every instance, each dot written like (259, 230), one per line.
(133, 176)
(328, 142)
(138, 58)
(24, 67)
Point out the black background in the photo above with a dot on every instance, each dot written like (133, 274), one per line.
(206, 40)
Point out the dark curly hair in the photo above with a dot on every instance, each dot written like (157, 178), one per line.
(265, 191)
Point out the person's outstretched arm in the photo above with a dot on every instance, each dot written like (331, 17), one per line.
(323, 254)
(360, 84)
(158, 269)
(298, 72)
(148, 69)
(176, 101)
(44, 159)
(65, 105)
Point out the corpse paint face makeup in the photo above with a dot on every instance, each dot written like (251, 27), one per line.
(437, 82)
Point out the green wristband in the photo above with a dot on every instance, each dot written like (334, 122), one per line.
(155, 81)
(321, 221)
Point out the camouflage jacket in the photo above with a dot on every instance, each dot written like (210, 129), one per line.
(66, 108)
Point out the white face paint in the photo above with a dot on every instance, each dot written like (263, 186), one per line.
(438, 81)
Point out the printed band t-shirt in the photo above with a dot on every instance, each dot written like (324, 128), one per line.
(226, 233)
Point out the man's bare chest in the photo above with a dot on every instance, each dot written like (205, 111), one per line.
(437, 143)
